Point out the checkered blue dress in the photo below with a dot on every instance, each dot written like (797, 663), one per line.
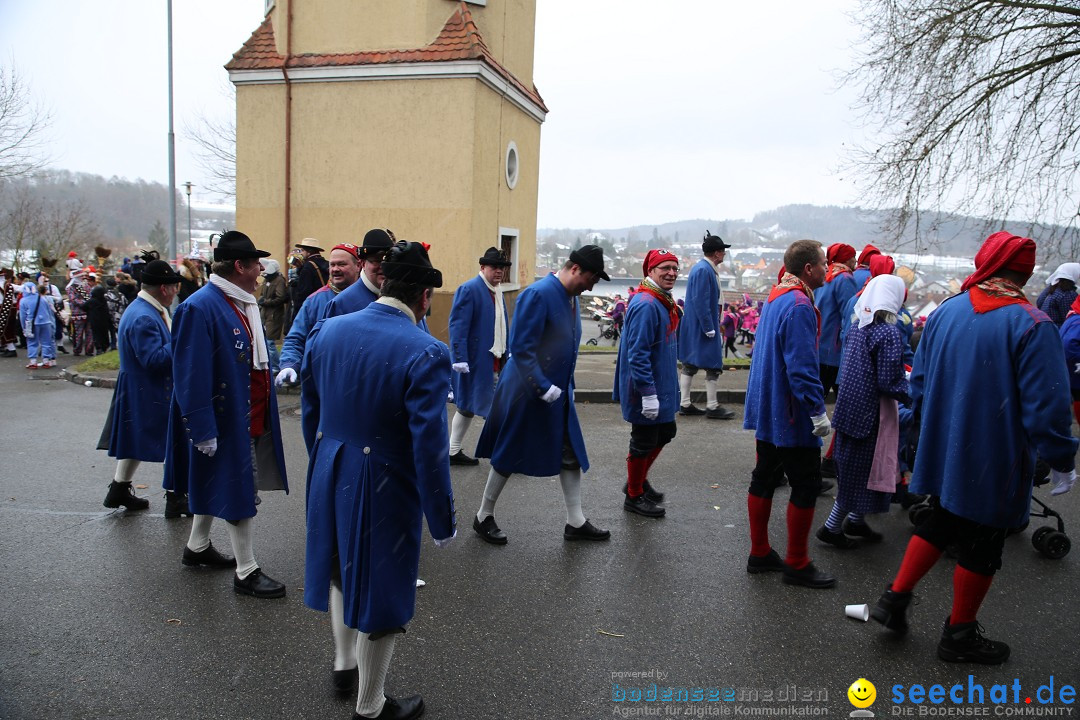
(873, 366)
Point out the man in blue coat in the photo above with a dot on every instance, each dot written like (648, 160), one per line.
(785, 406)
(138, 422)
(646, 378)
(701, 342)
(990, 391)
(344, 267)
(479, 328)
(224, 436)
(831, 300)
(533, 428)
(377, 242)
(379, 466)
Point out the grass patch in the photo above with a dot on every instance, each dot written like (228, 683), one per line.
(107, 361)
(602, 349)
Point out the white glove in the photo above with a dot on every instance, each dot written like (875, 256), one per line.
(28, 332)
(208, 447)
(553, 393)
(446, 541)
(710, 333)
(822, 426)
(650, 406)
(450, 396)
(1062, 481)
(287, 375)
(460, 367)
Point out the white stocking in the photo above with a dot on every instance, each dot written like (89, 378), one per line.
(373, 660)
(710, 394)
(125, 470)
(495, 484)
(344, 636)
(684, 388)
(240, 535)
(199, 539)
(571, 490)
(458, 427)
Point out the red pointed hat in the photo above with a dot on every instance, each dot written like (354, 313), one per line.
(868, 252)
(1002, 251)
(840, 253)
(881, 265)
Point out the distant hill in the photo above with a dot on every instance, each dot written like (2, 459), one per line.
(952, 235)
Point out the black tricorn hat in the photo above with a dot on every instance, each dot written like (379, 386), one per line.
(159, 272)
(235, 245)
(712, 243)
(591, 258)
(377, 241)
(492, 256)
(409, 262)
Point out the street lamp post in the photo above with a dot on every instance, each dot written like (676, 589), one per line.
(188, 187)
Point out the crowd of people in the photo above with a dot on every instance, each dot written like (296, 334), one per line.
(989, 387)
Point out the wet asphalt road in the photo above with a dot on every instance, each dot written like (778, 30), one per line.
(101, 620)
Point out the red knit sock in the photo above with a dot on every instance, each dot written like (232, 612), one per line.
(799, 521)
(759, 510)
(1076, 411)
(651, 458)
(636, 469)
(969, 589)
(918, 559)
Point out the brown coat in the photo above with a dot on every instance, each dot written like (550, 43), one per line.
(273, 295)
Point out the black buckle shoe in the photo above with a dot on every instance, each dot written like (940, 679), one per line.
(460, 458)
(966, 643)
(346, 681)
(719, 413)
(891, 610)
(642, 505)
(808, 576)
(259, 584)
(586, 532)
(691, 409)
(176, 504)
(650, 492)
(764, 563)
(837, 540)
(122, 494)
(861, 530)
(394, 709)
(209, 558)
(489, 531)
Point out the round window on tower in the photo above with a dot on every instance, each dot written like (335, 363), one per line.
(511, 165)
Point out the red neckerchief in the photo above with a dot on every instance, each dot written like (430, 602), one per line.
(260, 381)
(835, 270)
(789, 282)
(1074, 309)
(668, 302)
(995, 292)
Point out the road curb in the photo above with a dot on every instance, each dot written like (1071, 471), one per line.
(87, 380)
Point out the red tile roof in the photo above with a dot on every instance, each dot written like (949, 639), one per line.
(459, 40)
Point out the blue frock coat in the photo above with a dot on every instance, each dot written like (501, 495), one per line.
(212, 399)
(1070, 340)
(646, 363)
(352, 299)
(832, 302)
(990, 391)
(784, 388)
(702, 314)
(472, 330)
(524, 434)
(140, 417)
(375, 425)
(292, 348)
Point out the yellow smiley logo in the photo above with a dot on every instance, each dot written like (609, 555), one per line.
(862, 693)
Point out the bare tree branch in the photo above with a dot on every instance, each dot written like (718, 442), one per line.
(979, 105)
(22, 128)
(216, 148)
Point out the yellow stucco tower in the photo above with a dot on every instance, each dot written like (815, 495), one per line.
(414, 115)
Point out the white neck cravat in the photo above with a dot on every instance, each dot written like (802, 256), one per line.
(498, 347)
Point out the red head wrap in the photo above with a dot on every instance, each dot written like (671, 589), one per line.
(349, 248)
(655, 257)
(1002, 251)
(881, 265)
(840, 253)
(868, 252)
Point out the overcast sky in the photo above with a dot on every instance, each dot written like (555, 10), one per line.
(658, 111)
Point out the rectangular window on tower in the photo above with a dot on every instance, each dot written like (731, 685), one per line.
(508, 244)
